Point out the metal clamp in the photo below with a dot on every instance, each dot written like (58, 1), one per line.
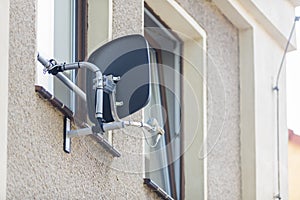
(109, 83)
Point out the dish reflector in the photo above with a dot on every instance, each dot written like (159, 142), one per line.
(127, 57)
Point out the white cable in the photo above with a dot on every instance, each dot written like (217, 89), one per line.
(151, 145)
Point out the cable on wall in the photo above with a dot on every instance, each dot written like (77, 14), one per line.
(276, 89)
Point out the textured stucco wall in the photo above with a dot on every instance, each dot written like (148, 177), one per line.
(128, 17)
(261, 50)
(223, 137)
(37, 166)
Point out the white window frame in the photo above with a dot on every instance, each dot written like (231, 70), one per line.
(56, 39)
(179, 20)
(4, 57)
(45, 38)
(46, 35)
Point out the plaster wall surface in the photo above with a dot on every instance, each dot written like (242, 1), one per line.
(281, 22)
(223, 136)
(37, 166)
(127, 18)
(266, 68)
(261, 50)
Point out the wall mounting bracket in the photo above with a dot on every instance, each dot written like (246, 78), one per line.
(69, 134)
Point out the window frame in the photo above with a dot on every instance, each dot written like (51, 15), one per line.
(46, 31)
(80, 38)
(194, 52)
(171, 167)
(65, 47)
(81, 28)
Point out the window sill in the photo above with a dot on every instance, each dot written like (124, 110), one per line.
(43, 93)
(154, 187)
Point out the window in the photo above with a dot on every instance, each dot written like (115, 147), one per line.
(62, 33)
(177, 166)
(163, 162)
(65, 47)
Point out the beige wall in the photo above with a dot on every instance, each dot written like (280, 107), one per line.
(261, 48)
(270, 17)
(37, 166)
(4, 21)
(237, 167)
(36, 163)
(222, 82)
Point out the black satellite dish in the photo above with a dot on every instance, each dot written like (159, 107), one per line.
(120, 69)
(128, 58)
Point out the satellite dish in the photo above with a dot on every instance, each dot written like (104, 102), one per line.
(121, 68)
(128, 58)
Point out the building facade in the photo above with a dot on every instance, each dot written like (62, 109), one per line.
(221, 112)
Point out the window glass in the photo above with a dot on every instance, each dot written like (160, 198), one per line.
(163, 162)
(64, 46)
(67, 34)
(156, 158)
(99, 20)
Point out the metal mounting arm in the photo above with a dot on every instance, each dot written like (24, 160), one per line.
(53, 68)
(71, 85)
(151, 126)
(101, 83)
